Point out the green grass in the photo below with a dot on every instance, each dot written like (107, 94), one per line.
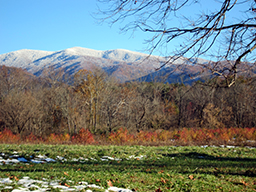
(166, 168)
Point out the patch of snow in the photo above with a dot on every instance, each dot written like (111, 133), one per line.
(49, 160)
(249, 147)
(83, 183)
(26, 184)
(8, 187)
(116, 189)
(106, 158)
(137, 157)
(41, 156)
(9, 161)
(14, 156)
(60, 158)
(37, 161)
(94, 186)
(5, 180)
(93, 159)
(75, 159)
(22, 159)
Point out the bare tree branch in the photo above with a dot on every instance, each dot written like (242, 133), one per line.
(204, 33)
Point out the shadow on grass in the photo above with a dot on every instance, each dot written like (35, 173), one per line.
(8, 170)
(183, 163)
(216, 165)
(205, 156)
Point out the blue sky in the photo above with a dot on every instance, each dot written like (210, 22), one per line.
(54, 25)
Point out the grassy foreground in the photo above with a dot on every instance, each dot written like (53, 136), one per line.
(138, 168)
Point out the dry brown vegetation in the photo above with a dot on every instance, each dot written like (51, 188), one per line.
(49, 105)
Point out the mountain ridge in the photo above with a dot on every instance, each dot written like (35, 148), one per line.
(124, 64)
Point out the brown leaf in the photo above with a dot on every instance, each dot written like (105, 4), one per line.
(65, 173)
(191, 177)
(97, 180)
(66, 185)
(16, 178)
(109, 183)
(244, 183)
(163, 180)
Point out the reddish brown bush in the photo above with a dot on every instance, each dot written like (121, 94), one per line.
(238, 136)
(83, 137)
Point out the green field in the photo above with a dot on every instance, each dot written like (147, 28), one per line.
(138, 168)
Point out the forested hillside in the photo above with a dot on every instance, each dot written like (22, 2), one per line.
(101, 104)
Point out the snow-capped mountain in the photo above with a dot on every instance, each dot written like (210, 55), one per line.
(22, 58)
(124, 64)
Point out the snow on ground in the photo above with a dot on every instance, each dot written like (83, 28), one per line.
(15, 158)
(28, 184)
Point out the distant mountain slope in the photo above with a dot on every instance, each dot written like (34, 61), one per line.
(124, 64)
(172, 74)
(22, 58)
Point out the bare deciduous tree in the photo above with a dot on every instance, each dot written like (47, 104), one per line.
(17, 110)
(90, 85)
(194, 28)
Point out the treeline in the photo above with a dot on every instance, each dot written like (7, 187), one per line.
(100, 104)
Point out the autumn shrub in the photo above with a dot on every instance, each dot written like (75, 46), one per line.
(225, 135)
(210, 134)
(164, 135)
(58, 139)
(250, 133)
(53, 139)
(121, 136)
(185, 136)
(243, 134)
(31, 138)
(65, 138)
(174, 135)
(146, 136)
(84, 136)
(7, 136)
(200, 135)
